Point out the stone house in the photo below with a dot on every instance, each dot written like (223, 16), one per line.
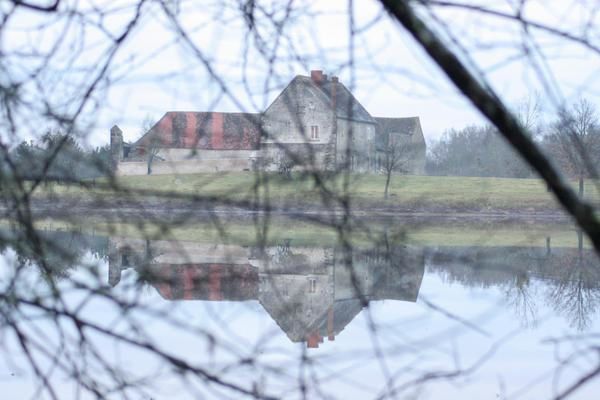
(315, 123)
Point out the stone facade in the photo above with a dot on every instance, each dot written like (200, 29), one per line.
(314, 124)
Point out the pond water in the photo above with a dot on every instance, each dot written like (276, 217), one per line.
(115, 316)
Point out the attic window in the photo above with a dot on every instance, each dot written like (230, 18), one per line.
(314, 132)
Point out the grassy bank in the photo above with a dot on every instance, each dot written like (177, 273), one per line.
(364, 233)
(363, 190)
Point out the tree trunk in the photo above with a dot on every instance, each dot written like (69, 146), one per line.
(387, 183)
(150, 159)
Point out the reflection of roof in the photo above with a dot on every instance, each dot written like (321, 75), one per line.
(204, 130)
(397, 282)
(328, 320)
(206, 281)
(292, 314)
(343, 312)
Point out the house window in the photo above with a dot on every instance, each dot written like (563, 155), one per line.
(287, 127)
(125, 261)
(312, 285)
(314, 132)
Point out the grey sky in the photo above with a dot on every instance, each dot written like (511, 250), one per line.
(157, 71)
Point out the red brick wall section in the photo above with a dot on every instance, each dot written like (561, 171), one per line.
(189, 278)
(164, 285)
(209, 131)
(203, 131)
(190, 138)
(214, 280)
(217, 131)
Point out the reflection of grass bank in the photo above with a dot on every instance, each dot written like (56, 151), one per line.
(364, 232)
(365, 190)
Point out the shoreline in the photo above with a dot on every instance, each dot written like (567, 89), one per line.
(161, 208)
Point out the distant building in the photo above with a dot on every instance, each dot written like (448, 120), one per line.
(308, 126)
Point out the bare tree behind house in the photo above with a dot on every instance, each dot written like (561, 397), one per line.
(574, 141)
(395, 158)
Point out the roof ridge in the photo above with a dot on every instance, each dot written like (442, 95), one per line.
(212, 112)
(396, 117)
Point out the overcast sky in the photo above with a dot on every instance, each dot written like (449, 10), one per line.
(156, 70)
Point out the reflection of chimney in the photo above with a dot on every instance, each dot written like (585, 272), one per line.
(330, 334)
(313, 340)
(317, 76)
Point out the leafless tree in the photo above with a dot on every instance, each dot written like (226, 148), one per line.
(577, 294)
(59, 61)
(574, 141)
(152, 149)
(395, 159)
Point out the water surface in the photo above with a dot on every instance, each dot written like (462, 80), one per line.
(123, 316)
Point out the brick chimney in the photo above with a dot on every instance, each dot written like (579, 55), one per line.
(334, 82)
(317, 76)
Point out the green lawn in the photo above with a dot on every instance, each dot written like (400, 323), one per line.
(365, 233)
(363, 190)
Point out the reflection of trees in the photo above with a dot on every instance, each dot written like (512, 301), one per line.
(58, 252)
(571, 276)
(521, 296)
(576, 294)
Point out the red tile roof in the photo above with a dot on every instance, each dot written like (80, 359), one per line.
(204, 130)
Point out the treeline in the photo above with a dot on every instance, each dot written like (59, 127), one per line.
(475, 151)
(58, 157)
(571, 140)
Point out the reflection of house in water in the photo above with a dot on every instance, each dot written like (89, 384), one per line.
(310, 292)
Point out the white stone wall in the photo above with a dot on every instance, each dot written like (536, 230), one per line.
(362, 148)
(184, 161)
(182, 252)
(309, 156)
(201, 154)
(184, 167)
(290, 117)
